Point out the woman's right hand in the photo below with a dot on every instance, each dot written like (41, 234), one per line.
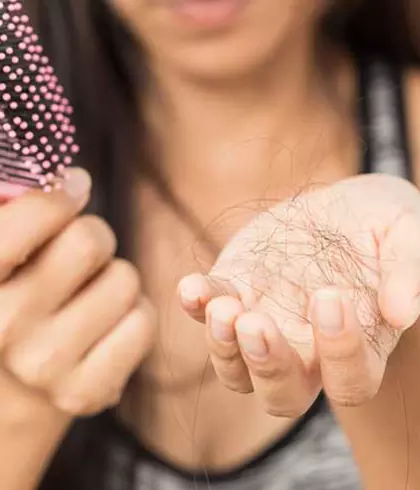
(73, 323)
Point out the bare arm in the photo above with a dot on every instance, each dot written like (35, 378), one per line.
(29, 436)
(385, 433)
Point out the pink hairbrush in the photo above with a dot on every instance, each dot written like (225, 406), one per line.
(36, 133)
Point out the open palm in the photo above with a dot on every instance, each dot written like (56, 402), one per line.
(314, 293)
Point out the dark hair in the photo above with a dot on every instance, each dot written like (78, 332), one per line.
(95, 58)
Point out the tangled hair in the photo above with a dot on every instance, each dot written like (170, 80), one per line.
(95, 58)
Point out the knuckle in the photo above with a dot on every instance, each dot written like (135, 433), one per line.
(354, 396)
(85, 240)
(291, 400)
(73, 406)
(73, 403)
(292, 409)
(79, 399)
(345, 353)
(242, 386)
(20, 366)
(283, 411)
(232, 368)
(230, 356)
(271, 371)
(78, 404)
(90, 236)
(113, 399)
(129, 275)
(35, 370)
(351, 380)
(234, 377)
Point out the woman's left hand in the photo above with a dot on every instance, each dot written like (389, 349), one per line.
(314, 294)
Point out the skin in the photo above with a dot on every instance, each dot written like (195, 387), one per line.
(257, 145)
(316, 323)
(52, 371)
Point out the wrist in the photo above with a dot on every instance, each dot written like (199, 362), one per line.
(22, 409)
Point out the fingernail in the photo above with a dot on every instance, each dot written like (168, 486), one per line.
(328, 311)
(221, 331)
(188, 294)
(10, 191)
(193, 290)
(78, 184)
(251, 341)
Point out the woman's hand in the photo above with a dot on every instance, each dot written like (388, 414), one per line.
(315, 293)
(73, 324)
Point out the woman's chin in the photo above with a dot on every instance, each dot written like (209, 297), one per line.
(223, 63)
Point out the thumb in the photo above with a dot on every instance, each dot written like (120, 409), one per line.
(399, 256)
(351, 370)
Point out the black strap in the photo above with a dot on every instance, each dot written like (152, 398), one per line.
(382, 117)
(364, 118)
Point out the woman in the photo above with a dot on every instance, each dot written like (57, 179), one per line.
(176, 100)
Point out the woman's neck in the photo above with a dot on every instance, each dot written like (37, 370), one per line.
(288, 109)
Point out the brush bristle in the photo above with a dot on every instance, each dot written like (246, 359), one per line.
(36, 133)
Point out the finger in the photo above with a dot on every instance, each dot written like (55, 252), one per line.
(280, 379)
(351, 370)
(197, 290)
(399, 295)
(224, 350)
(40, 357)
(399, 291)
(78, 253)
(34, 218)
(98, 381)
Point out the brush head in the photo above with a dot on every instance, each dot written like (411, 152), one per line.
(36, 133)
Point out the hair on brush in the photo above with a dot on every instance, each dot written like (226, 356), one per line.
(36, 133)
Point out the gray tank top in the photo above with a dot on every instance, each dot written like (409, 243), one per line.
(315, 454)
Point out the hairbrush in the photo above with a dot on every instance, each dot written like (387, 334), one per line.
(36, 133)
